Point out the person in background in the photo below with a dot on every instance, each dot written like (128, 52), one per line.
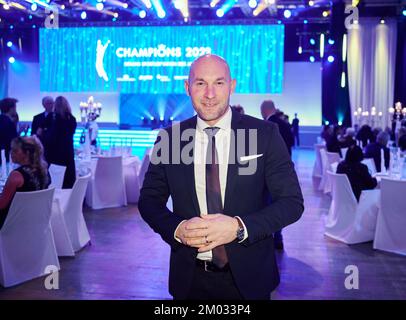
(59, 128)
(402, 139)
(364, 135)
(348, 139)
(8, 128)
(357, 172)
(238, 108)
(326, 132)
(39, 119)
(373, 150)
(31, 175)
(270, 113)
(332, 143)
(295, 130)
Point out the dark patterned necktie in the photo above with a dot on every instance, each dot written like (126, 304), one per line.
(213, 191)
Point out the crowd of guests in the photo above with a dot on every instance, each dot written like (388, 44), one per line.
(366, 143)
(51, 142)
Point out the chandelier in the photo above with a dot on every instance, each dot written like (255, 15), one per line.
(90, 110)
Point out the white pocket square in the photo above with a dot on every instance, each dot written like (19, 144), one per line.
(247, 158)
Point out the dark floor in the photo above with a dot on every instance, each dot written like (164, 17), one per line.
(128, 261)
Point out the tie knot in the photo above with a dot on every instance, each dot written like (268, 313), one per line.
(211, 131)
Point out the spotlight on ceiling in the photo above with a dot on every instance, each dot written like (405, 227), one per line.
(252, 4)
(219, 13)
(287, 13)
(142, 14)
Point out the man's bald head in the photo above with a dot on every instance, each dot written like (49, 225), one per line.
(208, 58)
(267, 109)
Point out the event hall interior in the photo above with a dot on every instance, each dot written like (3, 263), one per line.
(88, 87)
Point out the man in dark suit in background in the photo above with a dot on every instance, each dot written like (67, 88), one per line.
(8, 129)
(220, 230)
(269, 113)
(295, 130)
(39, 120)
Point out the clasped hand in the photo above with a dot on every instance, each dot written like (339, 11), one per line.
(208, 231)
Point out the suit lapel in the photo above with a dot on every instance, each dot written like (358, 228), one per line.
(232, 171)
(189, 169)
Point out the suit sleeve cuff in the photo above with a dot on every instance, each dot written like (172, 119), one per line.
(174, 234)
(245, 229)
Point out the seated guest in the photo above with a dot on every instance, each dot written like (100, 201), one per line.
(348, 139)
(326, 132)
(374, 135)
(31, 175)
(373, 150)
(402, 139)
(357, 172)
(364, 135)
(332, 143)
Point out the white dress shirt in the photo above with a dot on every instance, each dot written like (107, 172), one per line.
(200, 149)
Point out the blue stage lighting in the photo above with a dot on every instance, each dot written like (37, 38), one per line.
(34, 7)
(219, 13)
(340, 123)
(9, 44)
(305, 21)
(312, 41)
(404, 12)
(161, 14)
(312, 59)
(100, 6)
(152, 118)
(11, 60)
(326, 122)
(83, 15)
(11, 26)
(330, 58)
(142, 14)
(253, 4)
(287, 13)
(331, 41)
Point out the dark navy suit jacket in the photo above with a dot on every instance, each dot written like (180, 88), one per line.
(252, 262)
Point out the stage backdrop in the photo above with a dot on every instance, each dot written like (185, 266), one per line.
(156, 60)
(301, 94)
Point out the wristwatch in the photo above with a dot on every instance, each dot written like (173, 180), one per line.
(240, 231)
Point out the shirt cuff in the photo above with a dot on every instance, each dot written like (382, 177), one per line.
(174, 234)
(245, 229)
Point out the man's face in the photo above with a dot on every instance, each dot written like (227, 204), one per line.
(210, 86)
(49, 106)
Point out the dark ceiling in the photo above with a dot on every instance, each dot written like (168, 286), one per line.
(20, 12)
